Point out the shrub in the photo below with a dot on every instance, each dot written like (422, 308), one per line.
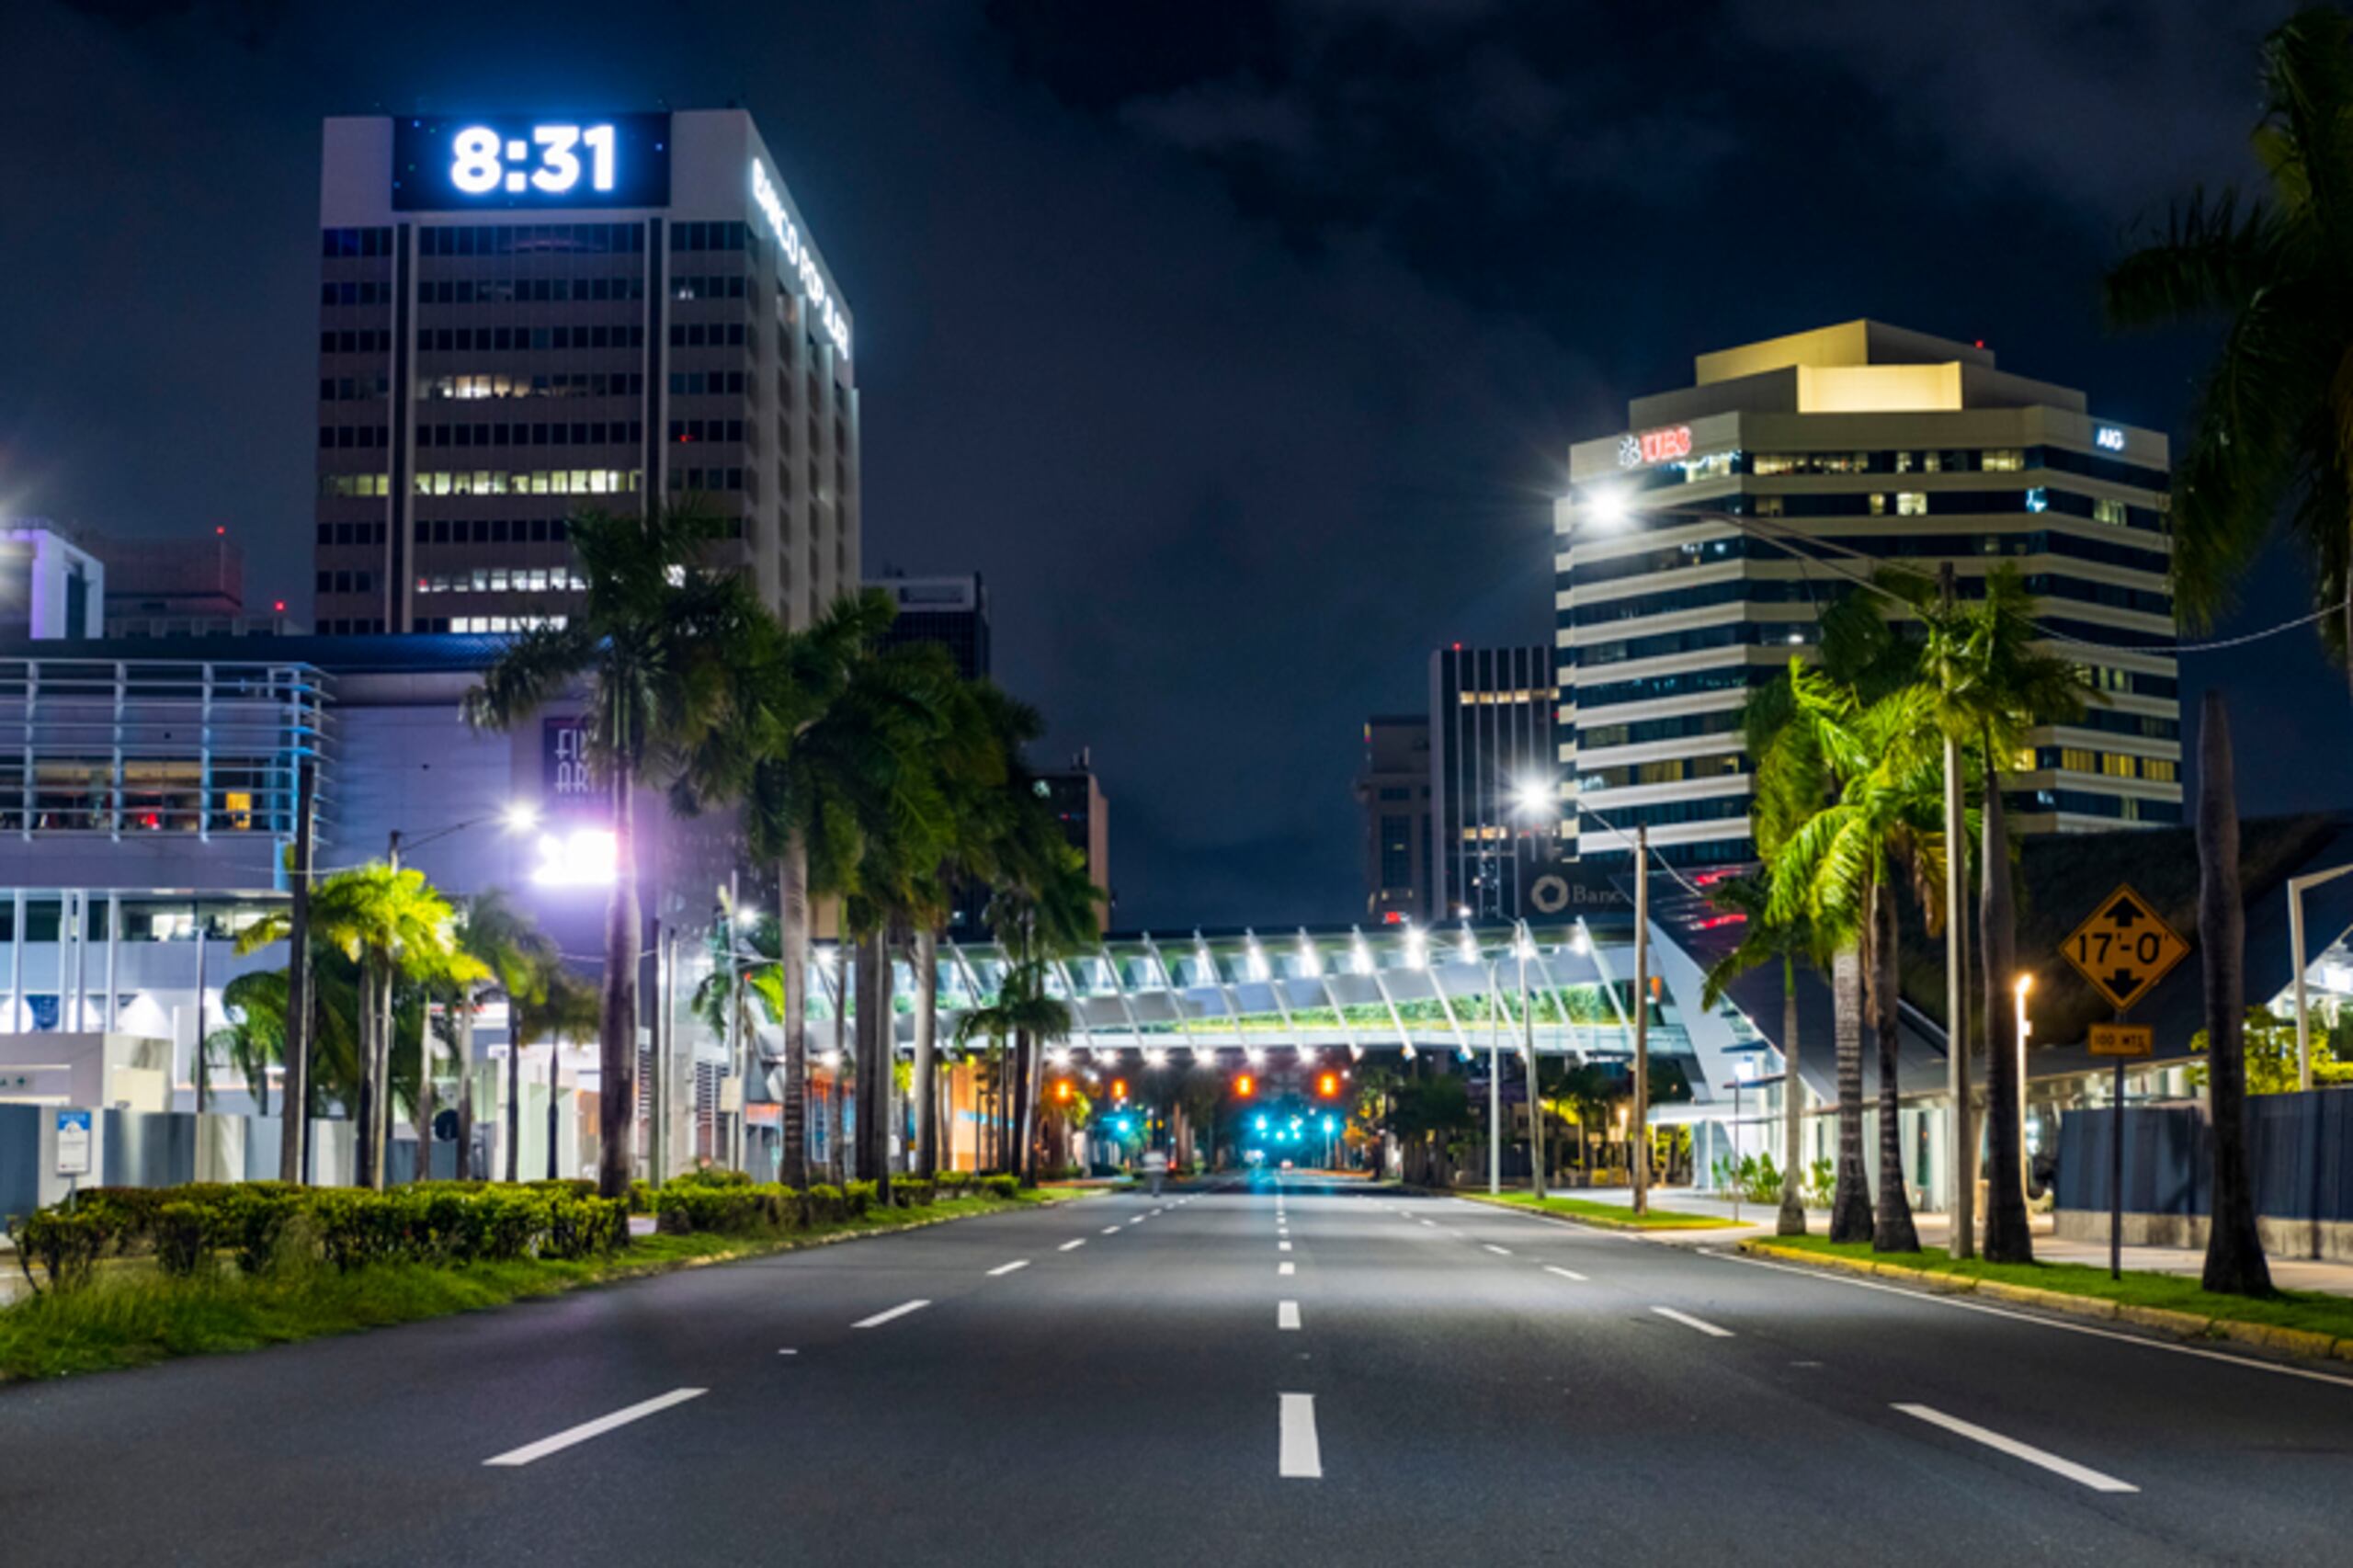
(909, 1192)
(640, 1198)
(708, 1175)
(65, 1243)
(585, 1226)
(861, 1197)
(257, 1220)
(565, 1186)
(1002, 1187)
(183, 1235)
(825, 1204)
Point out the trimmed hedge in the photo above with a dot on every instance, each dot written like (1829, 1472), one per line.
(259, 1223)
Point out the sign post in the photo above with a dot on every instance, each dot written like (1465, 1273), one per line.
(72, 1143)
(2123, 948)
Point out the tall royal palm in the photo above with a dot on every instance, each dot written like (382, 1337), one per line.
(2273, 436)
(1788, 942)
(1986, 682)
(649, 652)
(1836, 872)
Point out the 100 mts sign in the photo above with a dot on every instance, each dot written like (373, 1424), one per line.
(1663, 445)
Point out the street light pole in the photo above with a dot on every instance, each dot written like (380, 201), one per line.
(1494, 1088)
(1535, 1086)
(1641, 1164)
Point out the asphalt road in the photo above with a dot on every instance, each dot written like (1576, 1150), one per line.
(1288, 1373)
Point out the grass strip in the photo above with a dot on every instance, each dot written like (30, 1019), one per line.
(1610, 1216)
(2324, 1317)
(127, 1318)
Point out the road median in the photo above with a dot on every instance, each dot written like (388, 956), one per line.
(2303, 1323)
(1601, 1215)
(134, 1315)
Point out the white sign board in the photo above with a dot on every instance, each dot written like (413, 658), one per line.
(72, 1143)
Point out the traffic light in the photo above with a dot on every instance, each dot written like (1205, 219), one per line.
(1244, 1086)
(1327, 1086)
(1118, 1089)
(1061, 1090)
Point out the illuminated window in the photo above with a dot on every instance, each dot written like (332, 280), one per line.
(2108, 512)
(2079, 759)
(1660, 772)
(239, 803)
(1911, 503)
(2161, 769)
(2117, 765)
(2002, 460)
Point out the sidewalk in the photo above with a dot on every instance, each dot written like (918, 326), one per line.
(2288, 1273)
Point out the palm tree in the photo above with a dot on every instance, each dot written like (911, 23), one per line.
(1022, 1009)
(518, 956)
(651, 647)
(2274, 434)
(389, 925)
(1835, 870)
(255, 1036)
(1766, 940)
(1986, 684)
(568, 1010)
(444, 972)
(1045, 910)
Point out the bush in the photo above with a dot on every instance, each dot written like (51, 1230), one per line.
(708, 1175)
(859, 1197)
(640, 1198)
(183, 1235)
(1002, 1187)
(585, 1227)
(65, 1243)
(1756, 1179)
(825, 1204)
(910, 1192)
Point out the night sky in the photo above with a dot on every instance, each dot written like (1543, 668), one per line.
(1240, 346)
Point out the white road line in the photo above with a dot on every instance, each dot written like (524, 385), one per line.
(902, 1310)
(1282, 1246)
(1008, 1268)
(2083, 1475)
(2250, 1363)
(1110, 1230)
(787, 1352)
(1301, 1457)
(1564, 1273)
(1072, 1245)
(602, 1425)
(1286, 1269)
(1285, 1315)
(1687, 1320)
(1499, 1252)
(1433, 1223)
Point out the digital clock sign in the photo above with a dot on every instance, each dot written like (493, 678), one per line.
(460, 164)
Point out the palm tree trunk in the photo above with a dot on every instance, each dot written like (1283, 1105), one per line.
(1961, 1121)
(1893, 1230)
(792, 922)
(1032, 1083)
(363, 1115)
(466, 1086)
(2009, 1235)
(555, 1085)
(616, 1030)
(2235, 1261)
(1851, 1203)
(1792, 1218)
(379, 1131)
(421, 1109)
(514, 1089)
(926, 962)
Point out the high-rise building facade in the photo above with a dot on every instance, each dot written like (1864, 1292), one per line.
(1075, 797)
(1492, 750)
(1698, 547)
(523, 317)
(1392, 790)
(950, 611)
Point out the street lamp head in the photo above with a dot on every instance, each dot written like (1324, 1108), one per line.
(1535, 795)
(522, 816)
(1609, 509)
(2024, 984)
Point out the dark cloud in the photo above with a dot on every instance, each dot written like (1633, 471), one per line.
(1238, 344)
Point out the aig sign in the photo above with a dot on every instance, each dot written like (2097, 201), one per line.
(1663, 445)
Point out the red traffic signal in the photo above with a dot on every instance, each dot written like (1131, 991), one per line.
(1244, 1085)
(1061, 1088)
(1327, 1086)
(1119, 1088)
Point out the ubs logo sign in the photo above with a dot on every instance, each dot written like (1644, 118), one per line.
(565, 781)
(1666, 445)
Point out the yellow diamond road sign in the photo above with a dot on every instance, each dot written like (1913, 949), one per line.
(2124, 949)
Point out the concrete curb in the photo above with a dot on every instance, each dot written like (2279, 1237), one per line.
(2304, 1342)
(1590, 1222)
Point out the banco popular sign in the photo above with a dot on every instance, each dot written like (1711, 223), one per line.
(800, 256)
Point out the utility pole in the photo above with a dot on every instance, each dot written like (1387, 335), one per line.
(1963, 1241)
(195, 919)
(1638, 1168)
(294, 1130)
(738, 1056)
